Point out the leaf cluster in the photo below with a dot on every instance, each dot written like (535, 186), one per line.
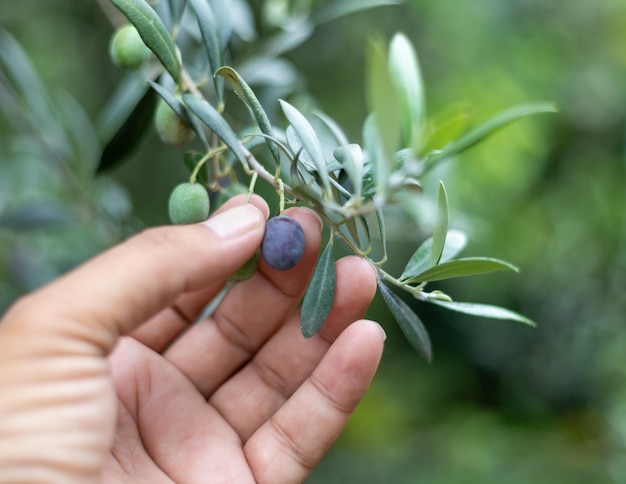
(307, 157)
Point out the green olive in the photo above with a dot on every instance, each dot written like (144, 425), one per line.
(247, 270)
(127, 48)
(189, 204)
(170, 127)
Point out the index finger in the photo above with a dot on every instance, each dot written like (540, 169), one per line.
(117, 291)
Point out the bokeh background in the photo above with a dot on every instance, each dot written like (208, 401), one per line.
(500, 402)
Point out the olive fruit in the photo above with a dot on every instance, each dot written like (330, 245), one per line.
(189, 204)
(171, 128)
(127, 48)
(283, 243)
(247, 270)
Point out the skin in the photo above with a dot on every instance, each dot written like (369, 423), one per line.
(104, 379)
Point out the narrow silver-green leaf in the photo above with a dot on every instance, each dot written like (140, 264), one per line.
(462, 267)
(441, 226)
(177, 9)
(333, 127)
(379, 163)
(153, 32)
(245, 93)
(214, 120)
(482, 131)
(309, 140)
(318, 299)
(484, 310)
(420, 260)
(211, 37)
(340, 8)
(383, 103)
(409, 323)
(179, 108)
(407, 79)
(351, 158)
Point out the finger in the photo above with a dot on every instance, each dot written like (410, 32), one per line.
(249, 314)
(161, 329)
(117, 291)
(250, 397)
(295, 438)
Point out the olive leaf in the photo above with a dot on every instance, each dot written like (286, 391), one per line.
(484, 130)
(382, 100)
(441, 226)
(420, 260)
(461, 267)
(318, 299)
(177, 9)
(333, 127)
(153, 32)
(407, 79)
(128, 136)
(308, 140)
(246, 94)
(212, 42)
(483, 310)
(351, 158)
(340, 8)
(409, 323)
(214, 120)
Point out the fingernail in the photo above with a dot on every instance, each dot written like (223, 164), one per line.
(382, 331)
(236, 221)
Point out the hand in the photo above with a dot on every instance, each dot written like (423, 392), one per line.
(104, 378)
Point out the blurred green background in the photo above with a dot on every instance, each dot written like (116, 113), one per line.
(501, 402)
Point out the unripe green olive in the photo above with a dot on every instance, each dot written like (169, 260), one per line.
(171, 128)
(247, 270)
(189, 204)
(127, 48)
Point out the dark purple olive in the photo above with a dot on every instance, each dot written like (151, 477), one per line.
(283, 243)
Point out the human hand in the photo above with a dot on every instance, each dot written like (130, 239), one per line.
(103, 377)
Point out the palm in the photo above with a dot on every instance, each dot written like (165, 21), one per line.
(199, 406)
(166, 428)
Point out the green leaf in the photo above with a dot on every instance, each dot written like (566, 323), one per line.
(383, 104)
(214, 120)
(246, 94)
(153, 32)
(177, 9)
(212, 43)
(482, 131)
(318, 299)
(333, 127)
(340, 8)
(351, 158)
(379, 162)
(128, 136)
(420, 260)
(446, 127)
(407, 79)
(483, 310)
(461, 267)
(409, 323)
(176, 104)
(441, 226)
(309, 140)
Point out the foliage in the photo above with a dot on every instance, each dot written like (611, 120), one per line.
(351, 189)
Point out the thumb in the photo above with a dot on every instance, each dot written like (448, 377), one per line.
(120, 289)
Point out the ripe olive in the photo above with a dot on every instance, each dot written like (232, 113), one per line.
(283, 243)
(127, 48)
(189, 204)
(171, 128)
